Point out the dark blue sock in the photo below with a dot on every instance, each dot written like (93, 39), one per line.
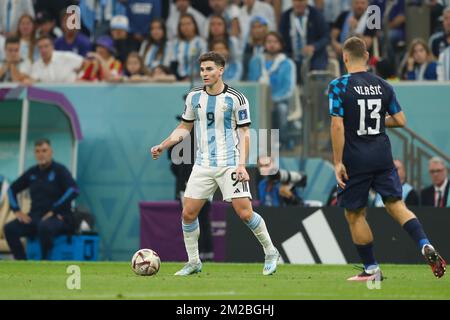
(366, 254)
(415, 231)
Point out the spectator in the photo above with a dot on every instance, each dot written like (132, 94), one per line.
(438, 41)
(46, 25)
(52, 190)
(141, 13)
(420, 64)
(351, 23)
(177, 9)
(305, 34)
(156, 49)
(10, 12)
(123, 43)
(102, 65)
(72, 40)
(443, 69)
(187, 48)
(55, 66)
(14, 68)
(26, 31)
(393, 25)
(409, 195)
(255, 42)
(218, 31)
(135, 70)
(231, 14)
(272, 192)
(277, 70)
(251, 9)
(233, 71)
(96, 14)
(436, 195)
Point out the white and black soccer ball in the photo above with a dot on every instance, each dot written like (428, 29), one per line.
(145, 262)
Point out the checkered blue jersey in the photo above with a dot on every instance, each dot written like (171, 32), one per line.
(363, 99)
(217, 118)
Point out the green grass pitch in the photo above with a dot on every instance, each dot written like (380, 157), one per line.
(218, 281)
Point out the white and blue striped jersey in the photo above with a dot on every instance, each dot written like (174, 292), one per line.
(217, 118)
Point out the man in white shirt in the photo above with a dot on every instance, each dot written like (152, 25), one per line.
(55, 66)
(13, 68)
(251, 9)
(176, 10)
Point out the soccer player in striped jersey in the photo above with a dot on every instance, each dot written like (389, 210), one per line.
(222, 119)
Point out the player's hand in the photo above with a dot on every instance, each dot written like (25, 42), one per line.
(341, 174)
(156, 151)
(241, 174)
(22, 217)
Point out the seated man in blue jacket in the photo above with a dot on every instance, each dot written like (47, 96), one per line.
(52, 190)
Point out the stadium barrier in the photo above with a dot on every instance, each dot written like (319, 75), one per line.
(321, 235)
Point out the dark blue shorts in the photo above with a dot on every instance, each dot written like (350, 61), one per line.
(356, 193)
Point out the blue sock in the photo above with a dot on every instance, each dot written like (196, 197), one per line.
(415, 231)
(366, 254)
(254, 221)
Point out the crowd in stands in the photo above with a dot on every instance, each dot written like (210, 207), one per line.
(263, 40)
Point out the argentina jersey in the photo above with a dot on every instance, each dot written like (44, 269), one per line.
(217, 118)
(363, 100)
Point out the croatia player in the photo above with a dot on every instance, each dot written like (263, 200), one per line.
(361, 106)
(222, 119)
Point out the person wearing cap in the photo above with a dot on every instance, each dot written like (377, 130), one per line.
(251, 9)
(46, 25)
(72, 40)
(102, 65)
(55, 66)
(123, 43)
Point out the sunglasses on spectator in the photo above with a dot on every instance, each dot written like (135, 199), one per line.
(436, 171)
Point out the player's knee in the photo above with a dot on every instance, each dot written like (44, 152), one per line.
(354, 216)
(189, 214)
(245, 214)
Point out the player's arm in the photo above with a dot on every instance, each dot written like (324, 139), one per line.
(338, 141)
(396, 120)
(177, 135)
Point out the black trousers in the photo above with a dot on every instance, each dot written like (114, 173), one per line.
(45, 231)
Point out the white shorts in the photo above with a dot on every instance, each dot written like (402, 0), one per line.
(204, 181)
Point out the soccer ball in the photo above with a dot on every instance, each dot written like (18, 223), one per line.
(145, 262)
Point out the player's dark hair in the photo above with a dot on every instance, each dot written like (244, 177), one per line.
(356, 47)
(215, 57)
(12, 39)
(42, 141)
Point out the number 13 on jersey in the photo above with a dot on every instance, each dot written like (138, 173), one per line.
(373, 105)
